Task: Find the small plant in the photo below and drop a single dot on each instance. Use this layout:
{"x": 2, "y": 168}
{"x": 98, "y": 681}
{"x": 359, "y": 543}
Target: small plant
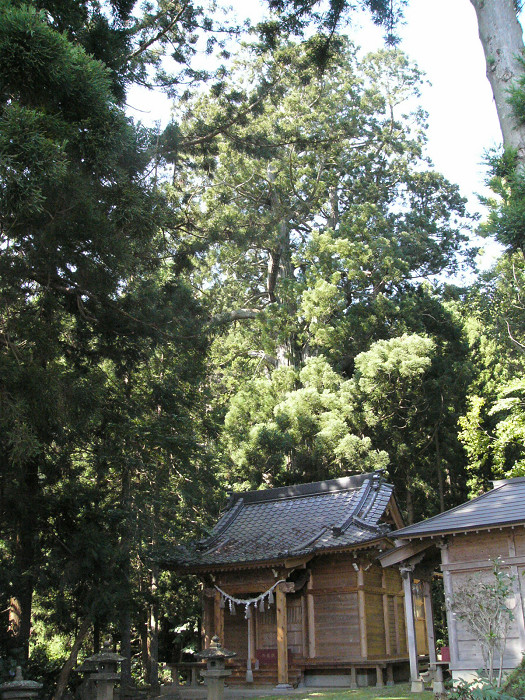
{"x": 482, "y": 605}
{"x": 515, "y": 681}
{"x": 477, "y": 690}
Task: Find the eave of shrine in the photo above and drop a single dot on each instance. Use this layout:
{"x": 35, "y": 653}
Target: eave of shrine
{"x": 287, "y": 526}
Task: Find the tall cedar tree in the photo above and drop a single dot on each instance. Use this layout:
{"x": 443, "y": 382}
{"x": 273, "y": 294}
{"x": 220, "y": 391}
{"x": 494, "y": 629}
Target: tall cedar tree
{"x": 101, "y": 344}
{"x": 322, "y": 219}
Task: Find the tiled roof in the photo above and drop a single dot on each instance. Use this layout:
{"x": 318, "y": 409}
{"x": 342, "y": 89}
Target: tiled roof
{"x": 293, "y": 521}
{"x": 504, "y": 505}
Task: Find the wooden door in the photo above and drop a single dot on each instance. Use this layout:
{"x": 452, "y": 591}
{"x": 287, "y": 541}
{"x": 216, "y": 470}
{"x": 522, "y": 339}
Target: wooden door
{"x": 266, "y": 626}
{"x": 295, "y": 624}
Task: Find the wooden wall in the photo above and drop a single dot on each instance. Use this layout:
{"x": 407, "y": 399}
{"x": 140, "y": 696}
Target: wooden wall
{"x": 335, "y": 605}
{"x": 236, "y": 633}
{"x": 471, "y": 556}
{"x": 358, "y": 614}
{"x": 350, "y": 610}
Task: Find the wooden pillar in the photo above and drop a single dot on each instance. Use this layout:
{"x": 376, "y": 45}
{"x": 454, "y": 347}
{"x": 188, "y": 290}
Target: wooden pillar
{"x": 282, "y": 636}
{"x": 379, "y": 677}
{"x": 218, "y": 614}
{"x": 386, "y": 616}
{"x": 406, "y": 573}
{"x": 311, "y": 617}
{"x": 389, "y": 674}
{"x": 253, "y": 635}
{"x": 396, "y": 624}
{"x": 451, "y": 618}
{"x": 207, "y": 629}
{"x": 249, "y": 672}
{"x": 361, "y": 602}
{"x": 516, "y": 585}
{"x": 429, "y": 621}
{"x": 304, "y": 626}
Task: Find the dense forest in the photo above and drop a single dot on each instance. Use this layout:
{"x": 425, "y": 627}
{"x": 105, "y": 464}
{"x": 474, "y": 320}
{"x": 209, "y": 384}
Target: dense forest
{"x": 259, "y": 294}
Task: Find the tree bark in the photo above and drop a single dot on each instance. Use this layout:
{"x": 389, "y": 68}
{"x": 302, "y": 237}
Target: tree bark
{"x": 410, "y": 504}
{"x": 125, "y": 613}
{"x": 235, "y": 315}
{"x": 96, "y": 637}
{"x": 125, "y": 646}
{"x": 26, "y": 554}
{"x": 502, "y": 40}
{"x": 439, "y": 470}
{"x": 65, "y": 672}
{"x": 153, "y": 633}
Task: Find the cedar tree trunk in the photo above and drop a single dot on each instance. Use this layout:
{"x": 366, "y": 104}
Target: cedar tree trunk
{"x": 502, "y": 40}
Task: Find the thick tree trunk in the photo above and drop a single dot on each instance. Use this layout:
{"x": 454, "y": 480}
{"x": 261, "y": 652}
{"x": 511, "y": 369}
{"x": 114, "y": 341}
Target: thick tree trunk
{"x": 96, "y": 637}
{"x": 26, "y": 553}
{"x": 439, "y": 469}
{"x": 280, "y": 268}
{"x": 153, "y": 633}
{"x": 409, "y": 504}
{"x": 125, "y": 646}
{"x": 502, "y": 40}
{"x": 125, "y": 612}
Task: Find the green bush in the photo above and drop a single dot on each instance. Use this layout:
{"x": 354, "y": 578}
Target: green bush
{"x": 44, "y": 668}
{"x": 515, "y": 683}
{"x": 479, "y": 689}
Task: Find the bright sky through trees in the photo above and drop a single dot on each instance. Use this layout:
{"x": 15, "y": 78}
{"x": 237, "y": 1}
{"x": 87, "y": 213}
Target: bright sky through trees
{"x": 442, "y": 38}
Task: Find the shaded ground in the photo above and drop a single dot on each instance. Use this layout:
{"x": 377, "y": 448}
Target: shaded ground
{"x": 397, "y": 692}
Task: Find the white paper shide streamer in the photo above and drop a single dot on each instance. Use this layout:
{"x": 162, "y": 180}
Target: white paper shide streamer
{"x": 248, "y": 603}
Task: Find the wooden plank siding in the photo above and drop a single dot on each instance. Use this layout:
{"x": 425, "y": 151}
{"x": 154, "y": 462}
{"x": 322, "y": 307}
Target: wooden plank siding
{"x": 243, "y": 583}
{"x": 336, "y": 617}
{"x": 236, "y": 633}
{"x": 375, "y": 626}
{"x": 265, "y": 624}
{"x": 295, "y": 624}
{"x": 354, "y": 612}
{"x": 348, "y": 612}
{"x": 337, "y": 626}
{"x": 471, "y": 555}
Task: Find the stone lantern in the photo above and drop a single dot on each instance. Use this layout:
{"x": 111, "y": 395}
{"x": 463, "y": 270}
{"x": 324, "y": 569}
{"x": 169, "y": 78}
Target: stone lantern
{"x": 19, "y": 689}
{"x": 100, "y": 674}
{"x": 216, "y": 671}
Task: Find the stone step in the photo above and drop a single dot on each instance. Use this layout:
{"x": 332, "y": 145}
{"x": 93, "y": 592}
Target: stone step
{"x": 267, "y": 675}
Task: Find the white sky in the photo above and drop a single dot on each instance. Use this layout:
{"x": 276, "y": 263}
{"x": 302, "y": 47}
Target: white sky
{"x": 441, "y": 37}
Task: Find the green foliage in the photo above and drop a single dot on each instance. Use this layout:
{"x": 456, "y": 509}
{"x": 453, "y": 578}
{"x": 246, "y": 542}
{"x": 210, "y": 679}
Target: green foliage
{"x": 514, "y": 684}
{"x": 477, "y": 690}
{"x": 296, "y": 16}
{"x": 507, "y": 209}
{"x": 101, "y": 343}
{"x": 296, "y": 426}
{"x": 44, "y": 667}
{"x": 492, "y": 428}
{"x": 322, "y": 219}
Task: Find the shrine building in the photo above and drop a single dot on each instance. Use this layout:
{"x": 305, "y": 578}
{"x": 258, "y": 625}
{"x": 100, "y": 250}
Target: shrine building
{"x": 291, "y": 582}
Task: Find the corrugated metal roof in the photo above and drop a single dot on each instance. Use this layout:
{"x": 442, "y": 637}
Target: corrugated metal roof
{"x": 501, "y": 506}
{"x": 293, "y": 521}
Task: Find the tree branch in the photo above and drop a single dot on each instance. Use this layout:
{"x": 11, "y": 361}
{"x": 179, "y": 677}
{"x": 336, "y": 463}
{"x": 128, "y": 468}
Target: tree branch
{"x": 268, "y": 359}
{"x": 235, "y": 315}
{"x": 519, "y": 345}
{"x": 143, "y": 47}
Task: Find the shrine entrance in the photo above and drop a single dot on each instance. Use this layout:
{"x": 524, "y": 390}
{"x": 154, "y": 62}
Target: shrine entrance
{"x": 266, "y": 629}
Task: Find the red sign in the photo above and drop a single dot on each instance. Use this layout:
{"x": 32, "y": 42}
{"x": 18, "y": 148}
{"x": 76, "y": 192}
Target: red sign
{"x": 268, "y": 657}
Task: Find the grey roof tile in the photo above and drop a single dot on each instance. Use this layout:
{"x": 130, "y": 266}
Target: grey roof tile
{"x": 502, "y": 505}
{"x": 292, "y": 521}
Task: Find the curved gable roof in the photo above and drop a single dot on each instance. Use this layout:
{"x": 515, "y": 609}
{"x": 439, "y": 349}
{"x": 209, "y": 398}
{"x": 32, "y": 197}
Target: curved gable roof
{"x": 293, "y": 521}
